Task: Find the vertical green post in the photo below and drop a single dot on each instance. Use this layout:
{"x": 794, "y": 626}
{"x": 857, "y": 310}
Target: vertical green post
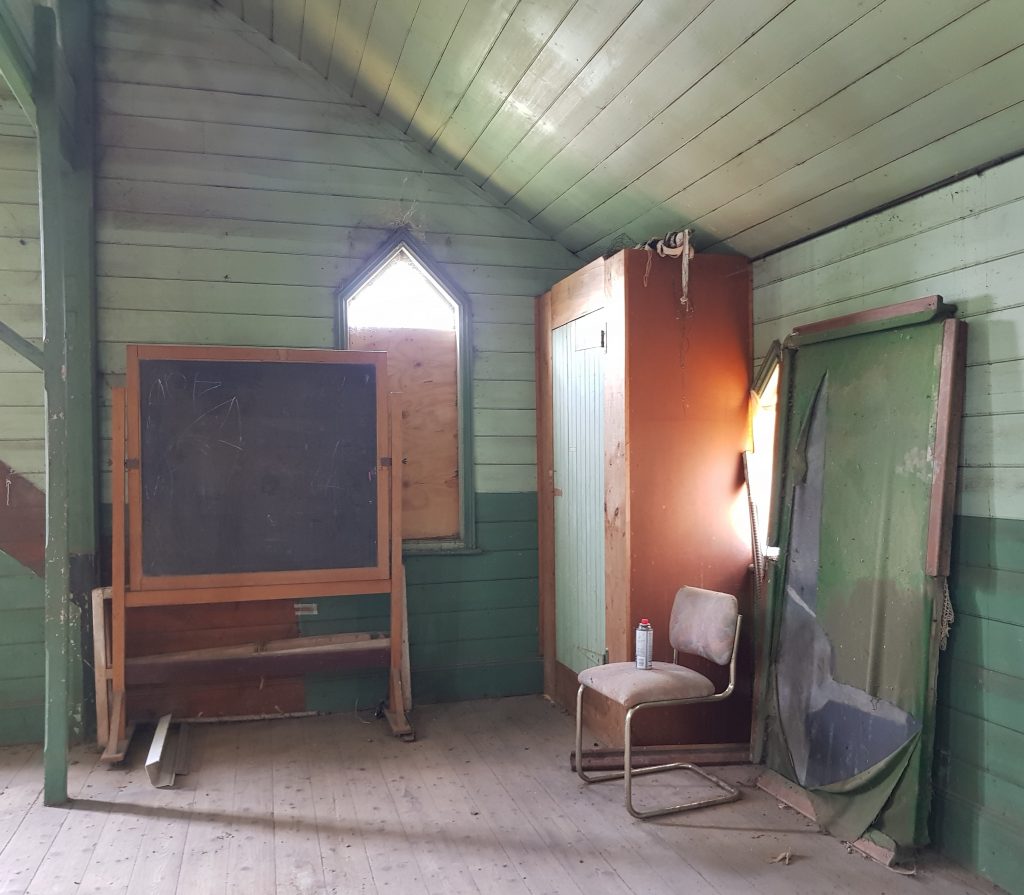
{"x": 57, "y": 574}
{"x": 75, "y": 20}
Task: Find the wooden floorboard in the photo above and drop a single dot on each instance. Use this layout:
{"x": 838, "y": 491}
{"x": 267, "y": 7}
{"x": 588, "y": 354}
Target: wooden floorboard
{"x": 483, "y": 802}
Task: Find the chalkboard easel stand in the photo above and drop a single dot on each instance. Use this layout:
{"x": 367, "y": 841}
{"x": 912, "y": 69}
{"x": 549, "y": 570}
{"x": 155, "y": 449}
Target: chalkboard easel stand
{"x": 125, "y": 462}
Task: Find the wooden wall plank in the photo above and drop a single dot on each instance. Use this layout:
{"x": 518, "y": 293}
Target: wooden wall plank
{"x": 711, "y": 38}
{"x": 725, "y": 109}
{"x": 318, "y": 27}
{"x": 218, "y": 106}
{"x": 652, "y": 26}
{"x": 583, "y": 32}
{"x": 353, "y": 25}
{"x": 385, "y": 40}
{"x": 905, "y": 69}
{"x": 287, "y": 24}
{"x": 430, "y": 34}
{"x": 471, "y": 41}
{"x": 993, "y": 137}
{"x": 527, "y": 31}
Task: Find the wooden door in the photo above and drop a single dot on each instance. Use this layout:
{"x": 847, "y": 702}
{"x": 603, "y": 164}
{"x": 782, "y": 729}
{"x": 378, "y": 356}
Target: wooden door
{"x": 577, "y": 373}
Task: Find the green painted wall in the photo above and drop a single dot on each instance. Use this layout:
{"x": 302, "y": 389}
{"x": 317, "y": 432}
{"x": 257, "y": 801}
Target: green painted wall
{"x": 963, "y": 242}
{"x": 236, "y": 192}
{"x": 472, "y": 619}
{"x": 21, "y": 423}
{"x": 21, "y": 653}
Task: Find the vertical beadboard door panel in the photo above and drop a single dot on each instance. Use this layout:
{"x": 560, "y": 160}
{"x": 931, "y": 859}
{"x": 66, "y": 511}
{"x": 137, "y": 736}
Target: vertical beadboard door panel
{"x": 577, "y": 373}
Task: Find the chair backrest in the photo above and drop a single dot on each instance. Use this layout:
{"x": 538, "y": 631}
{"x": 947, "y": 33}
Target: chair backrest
{"x": 703, "y": 623}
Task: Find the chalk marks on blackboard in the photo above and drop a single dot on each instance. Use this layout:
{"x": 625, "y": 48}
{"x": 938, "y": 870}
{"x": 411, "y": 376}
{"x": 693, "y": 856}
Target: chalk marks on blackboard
{"x": 250, "y": 467}
{"x": 325, "y": 476}
{"x": 201, "y": 386}
{"x": 230, "y": 426}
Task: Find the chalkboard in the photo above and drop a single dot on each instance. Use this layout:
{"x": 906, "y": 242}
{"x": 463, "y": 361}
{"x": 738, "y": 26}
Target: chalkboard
{"x": 257, "y": 466}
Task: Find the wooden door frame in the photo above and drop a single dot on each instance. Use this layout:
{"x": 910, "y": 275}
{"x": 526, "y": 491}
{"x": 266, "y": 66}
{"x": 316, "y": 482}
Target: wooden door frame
{"x": 597, "y": 286}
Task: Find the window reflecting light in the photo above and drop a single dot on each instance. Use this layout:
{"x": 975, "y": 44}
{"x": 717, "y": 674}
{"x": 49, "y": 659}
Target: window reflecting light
{"x": 401, "y": 295}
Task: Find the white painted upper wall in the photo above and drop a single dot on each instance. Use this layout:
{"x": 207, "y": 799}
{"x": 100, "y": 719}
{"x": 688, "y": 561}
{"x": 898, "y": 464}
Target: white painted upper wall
{"x": 237, "y": 191}
{"x": 964, "y": 242}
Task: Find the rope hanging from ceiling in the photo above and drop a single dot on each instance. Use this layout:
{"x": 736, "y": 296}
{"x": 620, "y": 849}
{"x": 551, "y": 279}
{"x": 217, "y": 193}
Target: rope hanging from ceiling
{"x": 673, "y": 245}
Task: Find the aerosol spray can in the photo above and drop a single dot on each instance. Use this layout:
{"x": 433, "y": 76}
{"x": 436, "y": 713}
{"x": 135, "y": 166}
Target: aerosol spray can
{"x": 644, "y": 644}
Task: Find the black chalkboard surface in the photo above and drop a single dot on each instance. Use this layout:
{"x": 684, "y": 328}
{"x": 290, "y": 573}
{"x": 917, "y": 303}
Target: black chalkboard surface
{"x": 257, "y": 466}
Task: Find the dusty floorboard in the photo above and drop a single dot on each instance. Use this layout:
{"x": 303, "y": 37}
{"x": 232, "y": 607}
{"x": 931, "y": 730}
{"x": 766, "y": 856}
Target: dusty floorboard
{"x": 483, "y": 802}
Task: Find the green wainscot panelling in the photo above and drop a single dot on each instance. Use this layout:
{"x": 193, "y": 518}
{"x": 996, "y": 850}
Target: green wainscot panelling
{"x": 22, "y": 724}
{"x": 982, "y": 693}
{"x": 996, "y": 645}
{"x": 21, "y": 653}
{"x": 519, "y": 678}
{"x": 977, "y": 838}
{"x": 966, "y": 741}
{"x": 989, "y": 543}
{"x": 473, "y": 618}
{"x": 350, "y": 692}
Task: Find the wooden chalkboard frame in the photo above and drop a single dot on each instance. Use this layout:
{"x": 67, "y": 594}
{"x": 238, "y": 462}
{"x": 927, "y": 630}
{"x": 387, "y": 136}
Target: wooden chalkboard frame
{"x": 388, "y": 576}
{"x": 152, "y": 590}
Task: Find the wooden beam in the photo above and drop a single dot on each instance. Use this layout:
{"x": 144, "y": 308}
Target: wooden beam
{"x": 76, "y": 23}
{"x": 22, "y": 345}
{"x": 57, "y": 574}
{"x": 16, "y": 64}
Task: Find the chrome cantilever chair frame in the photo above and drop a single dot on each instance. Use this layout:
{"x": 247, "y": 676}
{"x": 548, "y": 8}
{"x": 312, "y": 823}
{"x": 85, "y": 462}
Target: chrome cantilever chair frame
{"x": 730, "y": 793}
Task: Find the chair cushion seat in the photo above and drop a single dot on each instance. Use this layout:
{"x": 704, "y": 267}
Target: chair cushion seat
{"x": 628, "y": 685}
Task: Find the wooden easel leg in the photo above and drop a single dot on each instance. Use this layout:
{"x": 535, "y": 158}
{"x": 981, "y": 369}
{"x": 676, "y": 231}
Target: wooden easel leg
{"x": 119, "y": 737}
{"x": 396, "y": 710}
{"x": 398, "y": 683}
{"x": 101, "y": 664}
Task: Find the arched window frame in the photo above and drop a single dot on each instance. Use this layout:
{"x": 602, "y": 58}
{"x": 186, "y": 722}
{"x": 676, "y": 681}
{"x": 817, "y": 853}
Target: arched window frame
{"x": 402, "y": 239}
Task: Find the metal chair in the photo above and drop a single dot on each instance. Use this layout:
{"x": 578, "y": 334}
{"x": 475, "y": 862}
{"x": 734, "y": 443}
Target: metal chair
{"x": 703, "y": 623}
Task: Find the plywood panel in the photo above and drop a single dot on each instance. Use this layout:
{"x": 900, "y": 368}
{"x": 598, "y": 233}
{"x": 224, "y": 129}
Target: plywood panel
{"x": 423, "y": 366}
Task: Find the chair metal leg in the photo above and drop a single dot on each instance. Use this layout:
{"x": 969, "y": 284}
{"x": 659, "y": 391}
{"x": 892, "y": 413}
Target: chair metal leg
{"x": 595, "y": 778}
{"x": 730, "y": 793}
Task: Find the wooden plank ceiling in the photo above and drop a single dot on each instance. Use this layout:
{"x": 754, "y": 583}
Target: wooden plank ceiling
{"x": 756, "y": 122}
